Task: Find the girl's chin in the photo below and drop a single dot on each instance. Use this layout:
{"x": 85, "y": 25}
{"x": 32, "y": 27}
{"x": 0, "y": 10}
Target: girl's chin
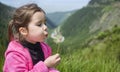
{"x": 44, "y": 37}
{"x": 42, "y": 40}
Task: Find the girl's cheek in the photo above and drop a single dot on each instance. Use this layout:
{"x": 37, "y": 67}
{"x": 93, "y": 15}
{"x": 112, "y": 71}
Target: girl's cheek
{"x": 42, "y": 31}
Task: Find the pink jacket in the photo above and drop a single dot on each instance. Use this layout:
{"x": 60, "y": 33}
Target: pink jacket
{"x": 18, "y": 59}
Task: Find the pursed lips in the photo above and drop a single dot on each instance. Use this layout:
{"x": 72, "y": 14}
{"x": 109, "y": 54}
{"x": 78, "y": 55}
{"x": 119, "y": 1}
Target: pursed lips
{"x": 46, "y": 33}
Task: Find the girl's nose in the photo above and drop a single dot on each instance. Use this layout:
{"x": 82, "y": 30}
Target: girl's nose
{"x": 45, "y": 27}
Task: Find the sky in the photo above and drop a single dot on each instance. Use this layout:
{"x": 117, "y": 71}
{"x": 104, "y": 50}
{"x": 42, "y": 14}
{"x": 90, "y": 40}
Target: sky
{"x": 50, "y": 6}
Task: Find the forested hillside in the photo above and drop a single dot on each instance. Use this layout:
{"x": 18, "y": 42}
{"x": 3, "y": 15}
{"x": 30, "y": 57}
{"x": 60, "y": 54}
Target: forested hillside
{"x": 91, "y": 20}
{"x": 5, "y": 15}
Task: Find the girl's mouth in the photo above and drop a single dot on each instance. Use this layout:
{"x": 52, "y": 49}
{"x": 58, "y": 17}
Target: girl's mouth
{"x": 46, "y": 35}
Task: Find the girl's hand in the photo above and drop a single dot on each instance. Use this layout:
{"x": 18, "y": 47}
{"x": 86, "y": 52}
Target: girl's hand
{"x": 52, "y": 61}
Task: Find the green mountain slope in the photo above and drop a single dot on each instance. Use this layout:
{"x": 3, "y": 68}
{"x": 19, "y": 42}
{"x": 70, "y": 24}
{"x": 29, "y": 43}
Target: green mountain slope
{"x": 89, "y": 21}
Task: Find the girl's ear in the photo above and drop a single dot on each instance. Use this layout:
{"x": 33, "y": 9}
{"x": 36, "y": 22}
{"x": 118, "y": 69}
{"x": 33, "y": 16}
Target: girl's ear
{"x": 23, "y": 31}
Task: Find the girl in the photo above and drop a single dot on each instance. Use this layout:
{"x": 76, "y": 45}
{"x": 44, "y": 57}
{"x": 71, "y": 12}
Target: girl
{"x": 27, "y": 51}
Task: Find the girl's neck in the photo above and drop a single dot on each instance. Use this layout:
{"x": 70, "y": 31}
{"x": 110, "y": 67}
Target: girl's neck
{"x": 32, "y": 42}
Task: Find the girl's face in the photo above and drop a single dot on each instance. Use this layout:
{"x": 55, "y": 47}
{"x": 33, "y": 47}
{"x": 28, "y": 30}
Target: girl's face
{"x": 37, "y": 29}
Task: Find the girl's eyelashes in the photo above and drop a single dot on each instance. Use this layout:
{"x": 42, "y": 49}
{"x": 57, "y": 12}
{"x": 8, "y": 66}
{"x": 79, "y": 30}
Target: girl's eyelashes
{"x": 45, "y": 23}
{"x": 40, "y": 24}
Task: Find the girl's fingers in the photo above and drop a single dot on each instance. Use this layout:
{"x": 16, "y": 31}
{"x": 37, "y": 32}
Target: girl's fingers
{"x": 57, "y": 56}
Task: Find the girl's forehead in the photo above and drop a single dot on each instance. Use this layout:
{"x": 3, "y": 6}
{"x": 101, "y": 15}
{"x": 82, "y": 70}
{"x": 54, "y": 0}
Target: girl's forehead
{"x": 38, "y": 16}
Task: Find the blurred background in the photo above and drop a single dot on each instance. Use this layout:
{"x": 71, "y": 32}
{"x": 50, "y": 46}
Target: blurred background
{"x": 88, "y": 32}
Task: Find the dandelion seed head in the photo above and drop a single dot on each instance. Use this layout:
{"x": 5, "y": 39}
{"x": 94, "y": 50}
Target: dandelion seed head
{"x": 57, "y": 36}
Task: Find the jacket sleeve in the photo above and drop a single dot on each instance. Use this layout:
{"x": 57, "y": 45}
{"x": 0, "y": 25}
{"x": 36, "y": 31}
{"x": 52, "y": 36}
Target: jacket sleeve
{"x": 15, "y": 62}
{"x": 53, "y": 70}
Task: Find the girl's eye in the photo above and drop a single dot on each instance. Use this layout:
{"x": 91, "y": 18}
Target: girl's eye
{"x": 39, "y": 25}
{"x": 45, "y": 23}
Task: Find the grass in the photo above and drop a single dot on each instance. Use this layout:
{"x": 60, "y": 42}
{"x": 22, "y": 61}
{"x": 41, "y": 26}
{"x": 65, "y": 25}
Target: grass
{"x": 90, "y": 60}
{"x": 93, "y": 62}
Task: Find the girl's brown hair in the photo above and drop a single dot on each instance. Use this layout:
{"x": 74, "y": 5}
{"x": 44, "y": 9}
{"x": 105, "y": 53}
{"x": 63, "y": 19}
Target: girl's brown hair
{"x": 21, "y": 18}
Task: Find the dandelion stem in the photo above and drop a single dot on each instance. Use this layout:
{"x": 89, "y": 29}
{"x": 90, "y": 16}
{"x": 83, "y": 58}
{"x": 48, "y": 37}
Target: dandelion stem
{"x": 58, "y": 48}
